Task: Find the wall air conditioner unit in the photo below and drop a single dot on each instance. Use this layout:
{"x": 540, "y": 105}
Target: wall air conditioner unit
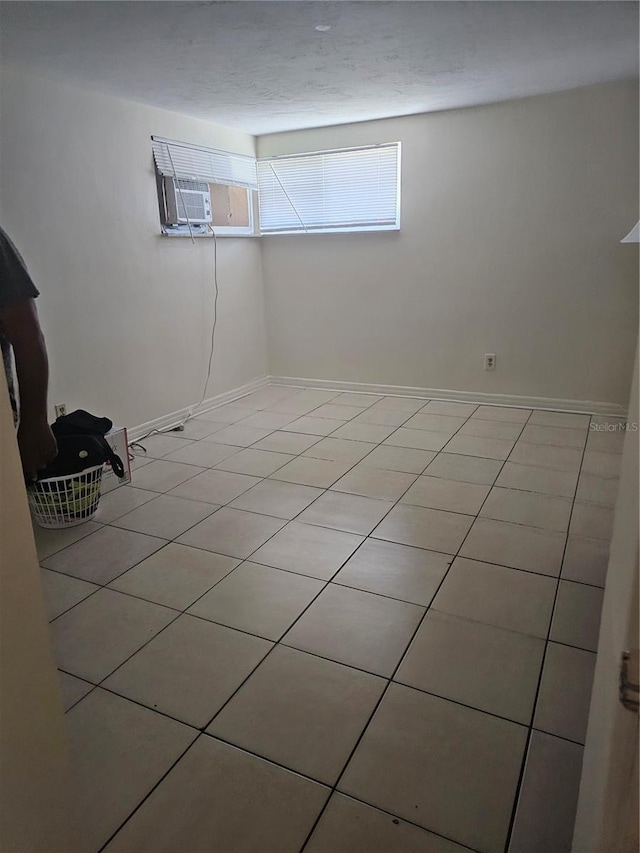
{"x": 187, "y": 201}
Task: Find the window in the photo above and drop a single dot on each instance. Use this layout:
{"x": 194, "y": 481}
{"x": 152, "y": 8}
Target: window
{"x": 353, "y": 189}
{"x": 349, "y": 189}
{"x": 203, "y": 188}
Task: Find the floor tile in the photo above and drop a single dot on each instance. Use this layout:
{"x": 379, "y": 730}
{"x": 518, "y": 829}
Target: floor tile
{"x": 166, "y": 516}
{"x": 599, "y": 490}
{"x": 232, "y": 532}
{"x": 101, "y": 632}
{"x": 586, "y": 560}
{"x": 516, "y": 546}
{"x": 348, "y": 826}
{"x": 356, "y": 628}
{"x": 286, "y": 442}
{"x": 157, "y": 446}
{"x": 312, "y": 472}
{"x": 404, "y": 459}
{"x": 301, "y": 711}
{"x": 240, "y": 435}
{"x": 119, "y": 752}
{"x": 565, "y": 692}
{"x": 121, "y": 501}
{"x": 601, "y": 464}
{"x": 383, "y": 417}
{"x": 308, "y": 550}
{"x": 195, "y": 428}
{"x": 338, "y": 413}
{"x": 258, "y": 599}
{"x": 495, "y": 595}
{"x": 400, "y": 404}
{"x": 374, "y": 483}
{"x": 62, "y": 592}
{"x": 591, "y": 520}
{"x": 491, "y": 429}
{"x": 605, "y": 442}
{"x": 425, "y": 528}
{"x": 534, "y": 510}
{"x": 104, "y": 555}
{"x": 434, "y": 423}
{"x": 355, "y": 399}
{"x": 49, "y": 542}
{"x": 556, "y": 436}
{"x": 160, "y": 476}
{"x": 546, "y": 456}
{"x": 204, "y": 453}
{"x": 282, "y": 500}
{"x": 450, "y": 495}
{"x": 542, "y": 480}
{"x": 576, "y": 618}
{"x": 136, "y": 460}
{"x": 444, "y": 407}
{"x": 478, "y": 665}
{"x": 295, "y": 406}
{"x": 465, "y": 469}
{"x": 356, "y": 431}
{"x": 257, "y": 463}
{"x": 397, "y": 571}
{"x": 309, "y": 425}
{"x": 559, "y": 419}
{"x": 448, "y": 768}
{"x": 246, "y": 804}
{"x": 175, "y": 576}
{"x": 418, "y": 439}
{"x": 502, "y": 413}
{"x": 475, "y": 445}
{"x": 72, "y": 689}
{"x": 189, "y": 670}
{"x": 230, "y": 413}
{"x": 268, "y": 395}
{"x": 215, "y": 487}
{"x": 267, "y": 420}
{"x": 340, "y": 450}
{"x": 549, "y": 788}
{"x": 351, "y": 513}
{"x": 608, "y": 421}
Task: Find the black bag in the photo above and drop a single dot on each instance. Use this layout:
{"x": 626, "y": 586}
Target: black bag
{"x": 81, "y": 445}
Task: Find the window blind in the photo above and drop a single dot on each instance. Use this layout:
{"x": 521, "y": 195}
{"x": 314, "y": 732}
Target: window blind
{"x": 342, "y": 190}
{"x": 203, "y": 164}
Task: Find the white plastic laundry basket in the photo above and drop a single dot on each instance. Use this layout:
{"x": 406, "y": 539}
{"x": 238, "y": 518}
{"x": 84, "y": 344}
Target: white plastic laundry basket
{"x": 66, "y": 501}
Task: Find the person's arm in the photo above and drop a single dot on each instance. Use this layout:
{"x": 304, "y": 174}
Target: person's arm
{"x": 19, "y": 321}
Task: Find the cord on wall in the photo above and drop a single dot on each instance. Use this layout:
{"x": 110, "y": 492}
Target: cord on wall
{"x": 180, "y": 427}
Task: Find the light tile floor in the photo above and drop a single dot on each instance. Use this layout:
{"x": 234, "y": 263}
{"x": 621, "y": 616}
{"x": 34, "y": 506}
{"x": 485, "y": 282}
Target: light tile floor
{"x": 338, "y": 623}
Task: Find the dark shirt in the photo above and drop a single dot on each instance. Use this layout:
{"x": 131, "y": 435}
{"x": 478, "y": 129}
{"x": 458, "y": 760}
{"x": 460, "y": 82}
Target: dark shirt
{"x": 15, "y": 285}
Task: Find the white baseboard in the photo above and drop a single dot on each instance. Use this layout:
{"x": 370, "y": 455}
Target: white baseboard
{"x": 549, "y": 403}
{"x": 174, "y": 418}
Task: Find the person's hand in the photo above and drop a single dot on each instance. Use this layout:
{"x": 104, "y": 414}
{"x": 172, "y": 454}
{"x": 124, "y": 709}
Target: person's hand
{"x": 37, "y": 447}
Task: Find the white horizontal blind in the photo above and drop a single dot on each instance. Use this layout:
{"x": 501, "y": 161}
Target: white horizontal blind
{"x": 349, "y": 189}
{"x": 203, "y": 164}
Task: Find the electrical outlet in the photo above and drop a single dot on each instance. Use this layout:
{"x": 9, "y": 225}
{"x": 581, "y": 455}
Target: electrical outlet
{"x": 61, "y": 410}
{"x": 489, "y": 361}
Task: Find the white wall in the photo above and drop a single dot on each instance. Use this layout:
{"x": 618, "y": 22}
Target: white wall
{"x": 511, "y": 217}
{"x": 126, "y": 313}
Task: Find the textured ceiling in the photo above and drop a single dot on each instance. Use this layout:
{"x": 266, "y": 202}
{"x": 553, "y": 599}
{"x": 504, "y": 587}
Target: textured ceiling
{"x": 262, "y": 67}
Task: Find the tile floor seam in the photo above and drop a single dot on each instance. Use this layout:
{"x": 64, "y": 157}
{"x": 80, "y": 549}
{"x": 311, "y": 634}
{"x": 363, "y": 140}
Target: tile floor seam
{"x": 520, "y": 782}
{"x": 146, "y": 797}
